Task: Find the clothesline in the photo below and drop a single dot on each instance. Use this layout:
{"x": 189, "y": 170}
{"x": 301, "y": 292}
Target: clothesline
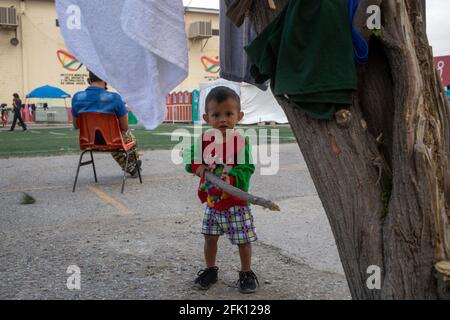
{"x": 131, "y": 46}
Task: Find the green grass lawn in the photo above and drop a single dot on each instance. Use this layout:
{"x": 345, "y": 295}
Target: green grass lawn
{"x": 58, "y": 141}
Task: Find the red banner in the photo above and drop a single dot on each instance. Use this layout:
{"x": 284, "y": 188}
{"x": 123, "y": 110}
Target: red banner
{"x": 443, "y": 67}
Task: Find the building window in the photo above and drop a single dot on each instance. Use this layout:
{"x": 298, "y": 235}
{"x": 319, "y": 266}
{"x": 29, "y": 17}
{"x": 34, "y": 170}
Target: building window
{"x": 215, "y": 32}
{"x": 57, "y": 23}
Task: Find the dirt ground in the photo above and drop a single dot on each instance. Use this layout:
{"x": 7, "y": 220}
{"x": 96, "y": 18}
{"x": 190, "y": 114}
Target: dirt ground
{"x": 146, "y": 243}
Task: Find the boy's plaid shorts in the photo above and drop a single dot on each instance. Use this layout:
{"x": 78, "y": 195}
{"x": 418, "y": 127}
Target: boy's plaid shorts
{"x": 236, "y": 222}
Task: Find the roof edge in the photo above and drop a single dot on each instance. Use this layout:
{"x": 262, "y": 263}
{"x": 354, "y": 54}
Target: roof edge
{"x": 201, "y": 10}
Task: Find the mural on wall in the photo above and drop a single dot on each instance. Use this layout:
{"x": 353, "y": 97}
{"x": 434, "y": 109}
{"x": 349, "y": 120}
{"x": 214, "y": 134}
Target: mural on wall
{"x": 211, "y": 66}
{"x": 70, "y": 63}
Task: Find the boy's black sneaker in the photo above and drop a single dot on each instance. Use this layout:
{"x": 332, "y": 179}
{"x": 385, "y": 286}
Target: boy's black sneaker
{"x": 248, "y": 282}
{"x": 206, "y": 278}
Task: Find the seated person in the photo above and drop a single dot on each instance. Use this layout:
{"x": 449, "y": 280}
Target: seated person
{"x": 96, "y": 98}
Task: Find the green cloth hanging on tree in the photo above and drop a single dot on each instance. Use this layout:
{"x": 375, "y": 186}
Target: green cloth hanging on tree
{"x": 307, "y": 52}
{"x": 132, "y": 118}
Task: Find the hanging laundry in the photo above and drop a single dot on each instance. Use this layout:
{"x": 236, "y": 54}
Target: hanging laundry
{"x": 307, "y": 52}
{"x": 237, "y": 10}
{"x": 234, "y": 62}
{"x": 256, "y": 10}
{"x": 138, "y": 46}
{"x": 360, "y": 45}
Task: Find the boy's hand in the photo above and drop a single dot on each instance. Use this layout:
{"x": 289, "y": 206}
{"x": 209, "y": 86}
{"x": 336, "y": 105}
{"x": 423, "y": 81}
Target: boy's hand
{"x": 225, "y": 178}
{"x": 201, "y": 171}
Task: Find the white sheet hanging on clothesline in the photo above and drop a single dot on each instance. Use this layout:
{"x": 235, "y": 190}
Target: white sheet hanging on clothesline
{"x": 138, "y": 46}
{"x": 260, "y": 106}
{"x": 257, "y": 105}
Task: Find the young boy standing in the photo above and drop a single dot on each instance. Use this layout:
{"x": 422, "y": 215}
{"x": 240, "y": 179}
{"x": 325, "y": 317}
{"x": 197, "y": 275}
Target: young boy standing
{"x": 227, "y": 154}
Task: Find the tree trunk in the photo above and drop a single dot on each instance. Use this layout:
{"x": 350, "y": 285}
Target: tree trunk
{"x": 383, "y": 175}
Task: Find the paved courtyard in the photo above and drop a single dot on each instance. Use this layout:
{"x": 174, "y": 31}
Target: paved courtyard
{"x": 146, "y": 243}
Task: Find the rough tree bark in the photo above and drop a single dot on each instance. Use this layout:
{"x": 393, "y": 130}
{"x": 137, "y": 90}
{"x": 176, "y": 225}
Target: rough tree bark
{"x": 383, "y": 175}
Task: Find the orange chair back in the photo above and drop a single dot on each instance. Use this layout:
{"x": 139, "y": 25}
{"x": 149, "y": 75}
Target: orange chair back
{"x": 95, "y": 126}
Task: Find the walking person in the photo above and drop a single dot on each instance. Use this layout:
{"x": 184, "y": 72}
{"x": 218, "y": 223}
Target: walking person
{"x": 4, "y": 114}
{"x": 17, "y": 109}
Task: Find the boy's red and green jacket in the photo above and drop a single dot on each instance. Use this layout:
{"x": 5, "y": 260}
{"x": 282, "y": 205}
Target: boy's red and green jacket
{"x": 239, "y": 158}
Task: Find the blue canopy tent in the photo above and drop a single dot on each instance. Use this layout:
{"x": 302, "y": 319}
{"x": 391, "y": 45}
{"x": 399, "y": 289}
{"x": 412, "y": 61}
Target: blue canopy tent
{"x": 48, "y": 92}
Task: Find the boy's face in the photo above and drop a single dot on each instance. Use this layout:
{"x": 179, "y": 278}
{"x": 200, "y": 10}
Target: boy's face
{"x": 224, "y": 115}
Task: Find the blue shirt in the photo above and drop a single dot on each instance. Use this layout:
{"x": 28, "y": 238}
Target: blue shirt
{"x": 96, "y": 99}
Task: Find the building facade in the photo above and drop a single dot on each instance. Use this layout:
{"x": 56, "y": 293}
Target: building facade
{"x": 33, "y": 54}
